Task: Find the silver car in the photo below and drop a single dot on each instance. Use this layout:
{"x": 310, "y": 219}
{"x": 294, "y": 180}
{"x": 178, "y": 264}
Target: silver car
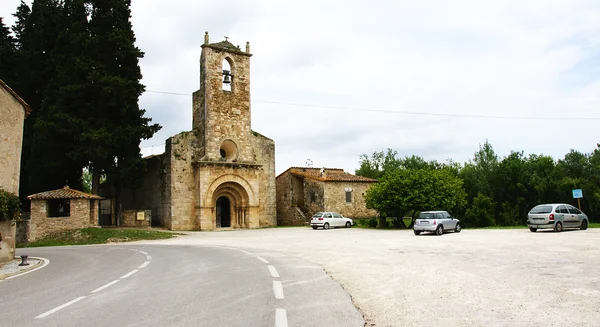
{"x": 330, "y": 219}
{"x": 437, "y": 222}
{"x": 556, "y": 216}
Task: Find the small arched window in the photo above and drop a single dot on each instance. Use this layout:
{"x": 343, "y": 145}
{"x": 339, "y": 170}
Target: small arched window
{"x": 227, "y": 82}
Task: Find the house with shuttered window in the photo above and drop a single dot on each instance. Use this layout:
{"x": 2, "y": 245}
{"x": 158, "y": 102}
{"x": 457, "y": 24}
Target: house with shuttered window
{"x": 303, "y": 191}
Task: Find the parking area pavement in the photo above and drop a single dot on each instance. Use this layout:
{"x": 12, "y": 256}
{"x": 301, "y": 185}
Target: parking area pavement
{"x": 487, "y": 277}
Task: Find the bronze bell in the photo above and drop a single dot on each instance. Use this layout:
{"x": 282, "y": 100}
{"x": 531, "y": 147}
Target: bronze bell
{"x": 226, "y": 77}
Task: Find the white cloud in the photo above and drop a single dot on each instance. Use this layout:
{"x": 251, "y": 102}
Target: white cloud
{"x": 494, "y": 58}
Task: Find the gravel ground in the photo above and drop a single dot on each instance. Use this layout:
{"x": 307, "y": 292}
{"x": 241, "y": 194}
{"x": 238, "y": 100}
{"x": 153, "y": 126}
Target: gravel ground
{"x": 10, "y": 268}
{"x": 473, "y": 278}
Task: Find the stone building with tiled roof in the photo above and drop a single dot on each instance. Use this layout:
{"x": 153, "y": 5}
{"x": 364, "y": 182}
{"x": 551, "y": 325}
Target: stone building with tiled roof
{"x": 222, "y": 173}
{"x": 303, "y": 191}
{"x": 61, "y": 210}
{"x": 13, "y": 111}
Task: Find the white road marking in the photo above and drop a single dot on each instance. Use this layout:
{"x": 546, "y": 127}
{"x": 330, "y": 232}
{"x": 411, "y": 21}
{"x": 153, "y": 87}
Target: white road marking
{"x": 46, "y": 262}
{"x": 130, "y": 273}
{"x": 105, "y": 286}
{"x": 143, "y": 265}
{"x": 244, "y": 251}
{"x": 262, "y": 259}
{"x": 144, "y": 252}
{"x": 281, "y": 318}
{"x": 148, "y": 257}
{"x": 273, "y": 271}
{"x": 46, "y": 314}
{"x": 278, "y": 290}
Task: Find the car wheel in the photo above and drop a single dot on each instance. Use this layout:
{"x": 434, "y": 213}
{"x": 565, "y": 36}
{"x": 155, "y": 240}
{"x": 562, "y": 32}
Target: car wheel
{"x": 314, "y": 227}
{"x": 457, "y": 228}
{"x": 348, "y": 224}
{"x": 532, "y": 229}
{"x": 584, "y": 225}
{"x": 326, "y": 226}
{"x": 439, "y": 230}
{"x": 417, "y": 232}
{"x": 558, "y": 227}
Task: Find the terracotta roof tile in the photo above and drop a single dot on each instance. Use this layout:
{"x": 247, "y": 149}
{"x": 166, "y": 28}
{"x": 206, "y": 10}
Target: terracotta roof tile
{"x": 329, "y": 175}
{"x": 26, "y": 107}
{"x": 63, "y": 193}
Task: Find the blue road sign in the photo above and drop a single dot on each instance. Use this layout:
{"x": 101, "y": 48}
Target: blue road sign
{"x": 577, "y": 194}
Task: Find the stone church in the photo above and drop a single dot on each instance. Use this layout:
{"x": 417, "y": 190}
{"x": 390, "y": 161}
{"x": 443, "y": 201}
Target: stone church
{"x": 222, "y": 173}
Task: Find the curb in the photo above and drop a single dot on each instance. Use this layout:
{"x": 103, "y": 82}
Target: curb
{"x": 16, "y": 272}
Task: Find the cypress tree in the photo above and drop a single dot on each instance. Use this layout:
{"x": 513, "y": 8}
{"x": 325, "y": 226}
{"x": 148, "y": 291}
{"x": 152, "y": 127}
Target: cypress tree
{"x": 63, "y": 111}
{"x": 7, "y": 55}
{"x": 37, "y": 33}
{"x": 118, "y": 125}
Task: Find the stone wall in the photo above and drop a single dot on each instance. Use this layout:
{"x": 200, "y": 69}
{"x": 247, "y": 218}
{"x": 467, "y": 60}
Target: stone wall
{"x": 23, "y": 229}
{"x": 131, "y": 218}
{"x": 8, "y": 231}
{"x": 314, "y": 197}
{"x": 264, "y": 153}
{"x": 220, "y": 115}
{"x": 151, "y": 191}
{"x": 11, "y": 140}
{"x": 335, "y": 199}
{"x": 84, "y": 213}
{"x": 288, "y": 188}
{"x": 179, "y": 196}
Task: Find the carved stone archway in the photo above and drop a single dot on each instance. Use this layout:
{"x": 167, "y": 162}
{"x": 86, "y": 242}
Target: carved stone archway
{"x": 238, "y": 201}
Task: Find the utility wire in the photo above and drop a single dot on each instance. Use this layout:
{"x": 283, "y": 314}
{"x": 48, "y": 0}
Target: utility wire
{"x": 415, "y": 113}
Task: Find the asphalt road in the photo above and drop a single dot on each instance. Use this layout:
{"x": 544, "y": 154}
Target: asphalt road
{"x": 173, "y": 285}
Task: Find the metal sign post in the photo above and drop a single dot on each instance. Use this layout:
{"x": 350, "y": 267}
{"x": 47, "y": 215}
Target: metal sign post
{"x": 578, "y": 194}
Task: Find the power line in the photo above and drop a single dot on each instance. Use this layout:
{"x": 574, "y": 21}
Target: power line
{"x": 403, "y": 112}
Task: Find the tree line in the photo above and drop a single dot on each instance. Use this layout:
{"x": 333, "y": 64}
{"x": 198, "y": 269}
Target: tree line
{"x": 76, "y": 64}
{"x": 486, "y": 190}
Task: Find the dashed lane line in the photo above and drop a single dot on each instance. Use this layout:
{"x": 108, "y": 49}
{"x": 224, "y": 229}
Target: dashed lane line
{"x": 281, "y": 318}
{"x": 143, "y": 265}
{"x": 47, "y": 313}
{"x": 262, "y": 259}
{"x": 273, "y": 271}
{"x": 105, "y": 286}
{"x": 129, "y": 273}
{"x": 278, "y": 290}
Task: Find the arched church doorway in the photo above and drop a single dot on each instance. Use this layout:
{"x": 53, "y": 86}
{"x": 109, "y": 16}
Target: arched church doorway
{"x": 230, "y": 200}
{"x": 223, "y": 212}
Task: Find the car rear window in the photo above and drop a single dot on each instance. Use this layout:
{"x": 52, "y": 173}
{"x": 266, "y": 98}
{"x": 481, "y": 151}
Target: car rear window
{"x": 426, "y": 215}
{"x": 541, "y": 209}
{"x": 317, "y": 215}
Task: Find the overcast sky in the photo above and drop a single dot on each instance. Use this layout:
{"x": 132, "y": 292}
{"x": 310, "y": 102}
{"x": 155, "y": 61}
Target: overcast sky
{"x": 332, "y": 80}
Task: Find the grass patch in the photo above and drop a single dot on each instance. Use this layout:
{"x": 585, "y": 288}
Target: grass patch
{"x": 98, "y": 236}
{"x": 594, "y": 225}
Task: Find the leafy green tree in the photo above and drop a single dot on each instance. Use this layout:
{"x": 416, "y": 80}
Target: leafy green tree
{"x": 481, "y": 213}
{"x": 378, "y": 164}
{"x": 402, "y": 191}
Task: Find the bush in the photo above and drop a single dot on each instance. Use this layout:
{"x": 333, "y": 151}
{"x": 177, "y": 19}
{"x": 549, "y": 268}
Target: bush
{"x": 10, "y": 206}
{"x": 373, "y": 222}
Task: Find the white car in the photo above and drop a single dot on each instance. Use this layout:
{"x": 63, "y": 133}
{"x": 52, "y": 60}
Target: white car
{"x": 330, "y": 219}
{"x": 437, "y": 222}
{"x": 556, "y": 216}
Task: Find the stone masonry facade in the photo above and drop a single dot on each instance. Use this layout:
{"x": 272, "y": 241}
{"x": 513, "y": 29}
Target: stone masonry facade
{"x": 13, "y": 111}
{"x": 301, "y": 192}
{"x": 83, "y": 215}
{"x": 221, "y": 174}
